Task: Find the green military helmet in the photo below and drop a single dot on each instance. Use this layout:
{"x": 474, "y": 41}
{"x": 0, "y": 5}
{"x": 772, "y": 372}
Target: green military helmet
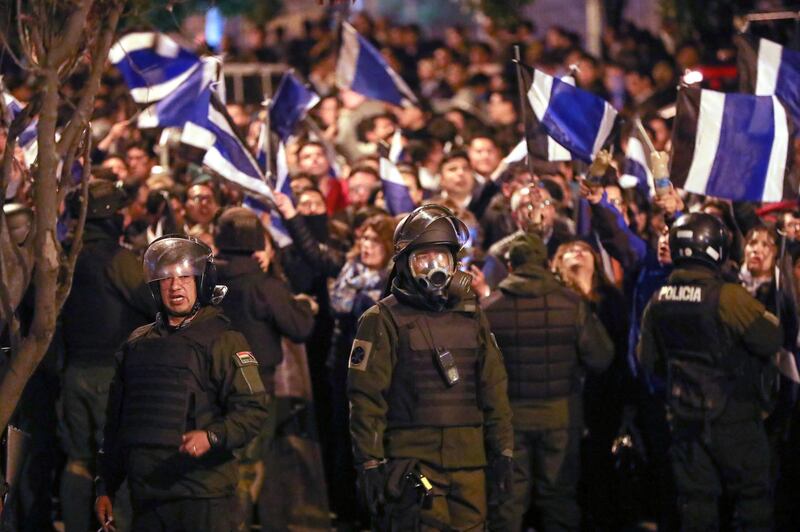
{"x": 239, "y": 230}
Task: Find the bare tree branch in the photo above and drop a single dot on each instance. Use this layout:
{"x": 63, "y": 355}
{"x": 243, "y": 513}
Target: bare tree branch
{"x": 25, "y": 44}
{"x": 71, "y": 36}
{"x": 7, "y": 47}
{"x": 68, "y": 267}
{"x": 99, "y": 56}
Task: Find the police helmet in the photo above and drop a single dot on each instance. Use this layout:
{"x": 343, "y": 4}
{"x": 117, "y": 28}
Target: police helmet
{"x": 178, "y": 256}
{"x": 20, "y": 222}
{"x": 430, "y": 225}
{"x": 239, "y": 230}
{"x": 699, "y": 237}
{"x": 105, "y": 198}
{"x": 426, "y": 244}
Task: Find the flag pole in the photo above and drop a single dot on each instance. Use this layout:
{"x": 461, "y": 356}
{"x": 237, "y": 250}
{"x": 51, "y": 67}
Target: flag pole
{"x": 267, "y": 104}
{"x": 645, "y": 136}
{"x": 522, "y": 106}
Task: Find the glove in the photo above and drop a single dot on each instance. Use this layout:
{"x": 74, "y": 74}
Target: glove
{"x": 502, "y": 474}
{"x": 371, "y": 485}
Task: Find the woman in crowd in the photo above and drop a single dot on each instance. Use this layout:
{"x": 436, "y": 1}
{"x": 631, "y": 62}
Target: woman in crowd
{"x": 579, "y": 267}
{"x": 758, "y": 275}
{"x": 359, "y": 285}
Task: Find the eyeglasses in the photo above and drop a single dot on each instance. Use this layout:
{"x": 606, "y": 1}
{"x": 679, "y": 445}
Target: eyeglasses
{"x": 616, "y": 202}
{"x": 202, "y": 198}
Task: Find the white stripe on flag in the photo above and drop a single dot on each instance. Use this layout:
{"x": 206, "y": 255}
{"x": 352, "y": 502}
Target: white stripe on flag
{"x": 130, "y": 43}
{"x": 539, "y": 93}
{"x": 769, "y": 61}
{"x": 214, "y": 160}
{"x": 709, "y": 122}
{"x": 557, "y": 152}
{"x": 776, "y": 170}
{"x": 348, "y": 57}
{"x": 197, "y": 136}
{"x": 162, "y": 90}
{"x": 606, "y": 125}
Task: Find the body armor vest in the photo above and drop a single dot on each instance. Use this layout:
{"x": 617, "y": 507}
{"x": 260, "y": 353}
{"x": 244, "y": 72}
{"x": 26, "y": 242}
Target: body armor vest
{"x": 166, "y": 385}
{"x": 701, "y": 372}
{"x": 537, "y": 336}
{"x": 418, "y": 395}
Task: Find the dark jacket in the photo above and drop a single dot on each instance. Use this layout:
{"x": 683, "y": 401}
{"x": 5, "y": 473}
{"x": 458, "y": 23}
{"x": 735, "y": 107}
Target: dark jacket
{"x": 262, "y": 308}
{"x": 108, "y": 300}
{"x": 548, "y": 336}
{"x": 752, "y": 336}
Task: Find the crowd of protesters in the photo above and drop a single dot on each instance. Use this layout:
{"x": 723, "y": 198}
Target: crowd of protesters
{"x": 605, "y": 242}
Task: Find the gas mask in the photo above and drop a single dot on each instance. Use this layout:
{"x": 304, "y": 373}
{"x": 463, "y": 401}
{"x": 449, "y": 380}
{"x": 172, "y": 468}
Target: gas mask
{"x": 432, "y": 268}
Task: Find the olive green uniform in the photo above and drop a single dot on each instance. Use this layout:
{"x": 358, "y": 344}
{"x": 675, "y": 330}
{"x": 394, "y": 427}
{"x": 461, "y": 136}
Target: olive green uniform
{"x": 452, "y": 455}
{"x": 728, "y": 452}
{"x": 165, "y": 484}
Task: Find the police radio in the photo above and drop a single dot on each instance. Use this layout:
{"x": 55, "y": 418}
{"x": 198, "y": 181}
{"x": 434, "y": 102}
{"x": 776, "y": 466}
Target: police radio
{"x": 447, "y": 366}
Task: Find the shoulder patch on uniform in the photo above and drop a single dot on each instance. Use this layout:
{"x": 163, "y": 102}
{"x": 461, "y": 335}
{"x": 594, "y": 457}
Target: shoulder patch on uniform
{"x": 359, "y": 355}
{"x": 245, "y": 358}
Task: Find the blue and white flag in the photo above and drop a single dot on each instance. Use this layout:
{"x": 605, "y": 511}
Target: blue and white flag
{"x": 152, "y": 65}
{"x": 28, "y": 139}
{"x": 636, "y": 168}
{"x": 576, "y": 119}
{"x": 278, "y": 230}
{"x": 395, "y": 191}
{"x": 207, "y": 126}
{"x": 363, "y": 69}
{"x": 733, "y": 146}
{"x": 290, "y": 103}
{"x": 766, "y": 68}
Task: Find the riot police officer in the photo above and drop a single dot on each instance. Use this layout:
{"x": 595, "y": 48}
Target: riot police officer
{"x": 427, "y": 388}
{"x": 185, "y": 394}
{"x": 712, "y": 344}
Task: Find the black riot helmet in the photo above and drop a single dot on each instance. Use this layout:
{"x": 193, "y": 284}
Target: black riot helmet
{"x": 430, "y": 225}
{"x": 238, "y": 230}
{"x": 426, "y": 244}
{"x": 699, "y": 237}
{"x": 178, "y": 256}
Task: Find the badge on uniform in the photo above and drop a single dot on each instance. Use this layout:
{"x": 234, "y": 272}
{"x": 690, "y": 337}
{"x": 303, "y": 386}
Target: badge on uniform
{"x": 245, "y": 358}
{"x": 248, "y": 367}
{"x": 359, "y": 355}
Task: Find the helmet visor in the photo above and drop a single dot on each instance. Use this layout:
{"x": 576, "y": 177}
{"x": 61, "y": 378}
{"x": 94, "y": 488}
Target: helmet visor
{"x": 174, "y": 257}
{"x": 426, "y": 260}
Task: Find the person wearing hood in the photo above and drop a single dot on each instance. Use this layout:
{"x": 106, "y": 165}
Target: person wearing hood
{"x": 549, "y": 338}
{"x": 427, "y": 388}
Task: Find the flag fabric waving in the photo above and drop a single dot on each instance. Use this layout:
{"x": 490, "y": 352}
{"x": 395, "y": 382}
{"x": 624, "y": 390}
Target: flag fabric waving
{"x": 208, "y": 126}
{"x": 541, "y": 146}
{"x": 576, "y": 119}
{"x": 766, "y": 68}
{"x": 362, "y": 68}
{"x": 733, "y": 146}
{"x": 290, "y": 103}
{"x": 395, "y": 191}
{"x": 152, "y": 64}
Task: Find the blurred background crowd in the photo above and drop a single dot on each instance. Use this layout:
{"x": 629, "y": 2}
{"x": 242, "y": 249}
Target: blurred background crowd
{"x": 334, "y": 248}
